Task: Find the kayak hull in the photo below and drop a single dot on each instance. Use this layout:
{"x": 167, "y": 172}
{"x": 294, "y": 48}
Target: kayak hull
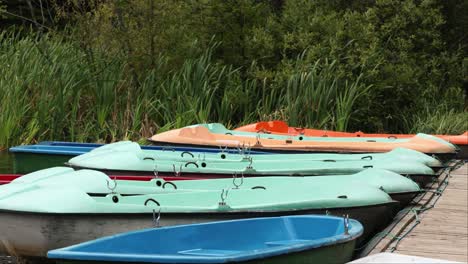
{"x": 282, "y": 128}
{"x": 444, "y": 157}
{"x": 338, "y": 253}
{"x": 33, "y": 234}
{"x": 422, "y": 180}
{"x": 294, "y": 239}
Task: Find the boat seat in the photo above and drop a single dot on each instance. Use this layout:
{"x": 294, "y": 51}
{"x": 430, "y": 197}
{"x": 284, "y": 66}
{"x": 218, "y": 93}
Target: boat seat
{"x": 285, "y": 242}
{"x": 208, "y": 252}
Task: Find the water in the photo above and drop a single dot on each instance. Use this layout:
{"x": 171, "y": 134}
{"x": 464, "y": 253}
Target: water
{"x": 6, "y": 162}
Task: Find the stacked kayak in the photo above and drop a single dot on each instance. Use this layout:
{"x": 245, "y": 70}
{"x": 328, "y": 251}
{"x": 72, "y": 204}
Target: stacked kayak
{"x": 317, "y": 238}
{"x": 60, "y": 207}
{"x": 186, "y": 156}
{"x": 398, "y": 187}
{"x": 128, "y": 158}
{"x": 46, "y": 154}
{"x": 282, "y": 128}
{"x": 215, "y": 135}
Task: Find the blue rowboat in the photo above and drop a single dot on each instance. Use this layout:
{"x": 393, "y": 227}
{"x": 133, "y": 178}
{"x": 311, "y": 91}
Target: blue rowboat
{"x": 288, "y": 239}
{"x": 46, "y": 154}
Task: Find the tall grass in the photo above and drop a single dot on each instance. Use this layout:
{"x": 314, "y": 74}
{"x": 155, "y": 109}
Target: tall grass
{"x": 52, "y": 89}
{"x": 439, "y": 120}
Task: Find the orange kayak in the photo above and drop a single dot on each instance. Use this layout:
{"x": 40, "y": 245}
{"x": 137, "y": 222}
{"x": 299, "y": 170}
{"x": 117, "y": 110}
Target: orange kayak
{"x": 280, "y": 127}
{"x": 201, "y": 136}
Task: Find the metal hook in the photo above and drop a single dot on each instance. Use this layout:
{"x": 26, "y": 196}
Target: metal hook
{"x": 234, "y": 180}
{"x": 177, "y": 173}
{"x": 258, "y": 140}
{"x": 156, "y": 219}
{"x": 249, "y": 167}
{"x": 155, "y": 171}
{"x": 223, "y": 197}
{"x": 346, "y": 224}
{"x": 239, "y": 149}
{"x": 112, "y": 188}
{"x": 249, "y": 149}
{"x": 223, "y": 149}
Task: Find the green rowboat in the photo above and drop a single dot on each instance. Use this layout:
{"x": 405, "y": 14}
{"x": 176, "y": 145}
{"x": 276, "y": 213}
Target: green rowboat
{"x": 42, "y": 214}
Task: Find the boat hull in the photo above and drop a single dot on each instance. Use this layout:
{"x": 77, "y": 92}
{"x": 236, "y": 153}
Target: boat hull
{"x": 29, "y": 162}
{"x": 444, "y": 157}
{"x": 404, "y": 198}
{"x": 338, "y": 253}
{"x": 422, "y": 180}
{"x": 33, "y": 234}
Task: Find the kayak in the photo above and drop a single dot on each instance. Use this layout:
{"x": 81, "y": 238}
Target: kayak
{"x": 60, "y": 207}
{"x": 131, "y": 159}
{"x": 46, "y": 154}
{"x": 282, "y": 128}
{"x": 398, "y": 187}
{"x": 202, "y": 136}
{"x": 297, "y": 239}
{"x": 187, "y": 156}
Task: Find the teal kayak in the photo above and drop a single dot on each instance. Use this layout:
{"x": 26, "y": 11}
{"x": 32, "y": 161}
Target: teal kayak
{"x": 60, "y": 207}
{"x": 393, "y": 184}
{"x": 187, "y": 156}
{"x": 130, "y": 159}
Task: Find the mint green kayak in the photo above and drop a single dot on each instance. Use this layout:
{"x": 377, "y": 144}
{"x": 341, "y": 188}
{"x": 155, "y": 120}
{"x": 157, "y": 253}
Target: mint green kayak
{"x": 60, "y": 207}
{"x": 186, "y": 156}
{"x": 129, "y": 159}
{"x": 398, "y": 187}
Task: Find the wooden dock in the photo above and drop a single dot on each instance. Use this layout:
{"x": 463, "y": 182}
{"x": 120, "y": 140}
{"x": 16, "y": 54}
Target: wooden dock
{"x": 436, "y": 226}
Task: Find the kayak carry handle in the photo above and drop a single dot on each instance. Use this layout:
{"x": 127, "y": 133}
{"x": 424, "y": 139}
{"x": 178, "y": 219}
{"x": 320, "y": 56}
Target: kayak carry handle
{"x": 258, "y": 187}
{"x": 300, "y": 130}
{"x": 392, "y": 137}
{"x": 368, "y": 166}
{"x": 167, "y": 148}
{"x": 371, "y": 140}
{"x": 263, "y": 131}
{"x": 329, "y": 160}
{"x": 152, "y": 200}
{"x": 228, "y": 133}
{"x": 170, "y": 183}
{"x": 367, "y": 158}
{"x": 187, "y": 152}
{"x": 191, "y": 162}
{"x": 148, "y": 158}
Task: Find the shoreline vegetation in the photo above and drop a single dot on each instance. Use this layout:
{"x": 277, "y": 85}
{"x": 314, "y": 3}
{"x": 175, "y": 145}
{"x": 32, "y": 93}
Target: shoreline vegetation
{"x": 103, "y": 71}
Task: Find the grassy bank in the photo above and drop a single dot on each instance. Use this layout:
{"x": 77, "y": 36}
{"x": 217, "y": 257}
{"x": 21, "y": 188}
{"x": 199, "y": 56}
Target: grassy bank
{"x": 52, "y": 90}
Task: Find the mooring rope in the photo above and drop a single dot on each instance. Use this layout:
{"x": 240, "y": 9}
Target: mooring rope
{"x": 428, "y": 205}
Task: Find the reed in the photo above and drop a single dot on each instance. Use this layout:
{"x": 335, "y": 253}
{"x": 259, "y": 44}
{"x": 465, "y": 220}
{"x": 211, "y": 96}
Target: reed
{"x": 441, "y": 120}
{"x": 52, "y": 89}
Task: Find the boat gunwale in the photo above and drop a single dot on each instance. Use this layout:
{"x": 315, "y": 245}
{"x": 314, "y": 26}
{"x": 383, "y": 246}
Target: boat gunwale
{"x": 356, "y": 231}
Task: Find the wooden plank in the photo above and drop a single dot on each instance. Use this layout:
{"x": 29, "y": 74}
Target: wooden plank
{"x": 453, "y": 257}
{"x": 443, "y": 230}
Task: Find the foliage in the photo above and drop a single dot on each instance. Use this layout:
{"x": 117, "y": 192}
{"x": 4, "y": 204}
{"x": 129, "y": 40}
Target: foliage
{"x": 104, "y": 70}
